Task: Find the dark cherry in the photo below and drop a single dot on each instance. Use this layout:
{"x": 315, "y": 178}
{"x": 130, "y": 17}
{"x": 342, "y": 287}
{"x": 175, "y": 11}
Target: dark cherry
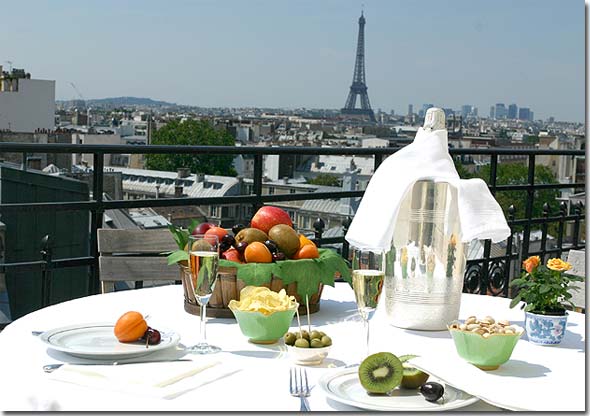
{"x": 271, "y": 245}
{"x": 223, "y": 247}
{"x": 241, "y": 247}
{"x": 229, "y": 239}
{"x": 237, "y": 228}
{"x": 432, "y": 391}
{"x": 278, "y": 256}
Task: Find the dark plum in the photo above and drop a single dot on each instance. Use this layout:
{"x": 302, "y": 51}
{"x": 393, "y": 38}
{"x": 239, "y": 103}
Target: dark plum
{"x": 271, "y": 245}
{"x": 241, "y": 247}
{"x": 432, "y": 391}
{"x": 237, "y": 228}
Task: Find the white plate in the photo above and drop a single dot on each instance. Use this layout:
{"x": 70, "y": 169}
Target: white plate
{"x": 98, "y": 341}
{"x": 344, "y": 387}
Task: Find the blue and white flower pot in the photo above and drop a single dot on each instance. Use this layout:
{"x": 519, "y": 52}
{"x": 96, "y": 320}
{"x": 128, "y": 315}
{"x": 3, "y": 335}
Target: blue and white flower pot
{"x": 545, "y": 329}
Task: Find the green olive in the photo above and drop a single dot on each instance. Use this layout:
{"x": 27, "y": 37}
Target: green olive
{"x": 290, "y": 338}
{"x": 303, "y": 334}
{"x": 315, "y": 334}
{"x": 326, "y": 341}
{"x": 302, "y": 343}
{"x": 316, "y": 343}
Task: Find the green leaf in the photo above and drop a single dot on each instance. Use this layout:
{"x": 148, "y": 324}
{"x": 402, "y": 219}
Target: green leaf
{"x": 307, "y": 273}
{"x": 529, "y": 307}
{"x": 177, "y": 256}
{"x": 516, "y": 282}
{"x": 544, "y": 288}
{"x": 515, "y": 301}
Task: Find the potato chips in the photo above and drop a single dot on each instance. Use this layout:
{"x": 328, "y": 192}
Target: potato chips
{"x": 262, "y": 299}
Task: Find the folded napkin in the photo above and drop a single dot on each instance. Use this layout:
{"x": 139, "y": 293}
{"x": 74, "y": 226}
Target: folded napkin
{"x": 165, "y": 380}
{"x": 516, "y": 385}
{"x": 427, "y": 157}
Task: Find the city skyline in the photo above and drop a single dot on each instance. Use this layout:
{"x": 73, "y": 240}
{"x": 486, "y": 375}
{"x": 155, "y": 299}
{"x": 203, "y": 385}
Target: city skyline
{"x": 301, "y": 54}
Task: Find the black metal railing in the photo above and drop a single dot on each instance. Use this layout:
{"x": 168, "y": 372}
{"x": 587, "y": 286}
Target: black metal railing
{"x": 488, "y": 275}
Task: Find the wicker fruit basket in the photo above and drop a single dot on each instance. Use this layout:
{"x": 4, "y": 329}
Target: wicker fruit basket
{"x": 299, "y": 278}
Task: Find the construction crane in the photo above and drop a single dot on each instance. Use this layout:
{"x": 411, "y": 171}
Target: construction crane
{"x": 79, "y": 94}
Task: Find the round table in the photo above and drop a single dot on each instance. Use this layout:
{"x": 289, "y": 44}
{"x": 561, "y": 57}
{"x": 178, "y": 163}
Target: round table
{"x": 262, "y": 383}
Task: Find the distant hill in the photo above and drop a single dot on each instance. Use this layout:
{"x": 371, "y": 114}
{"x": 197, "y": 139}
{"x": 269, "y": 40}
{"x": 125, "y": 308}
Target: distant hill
{"x": 124, "y": 101}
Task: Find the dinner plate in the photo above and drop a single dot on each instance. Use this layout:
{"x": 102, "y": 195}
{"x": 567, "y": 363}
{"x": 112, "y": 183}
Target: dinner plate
{"x": 344, "y": 387}
{"x": 98, "y": 341}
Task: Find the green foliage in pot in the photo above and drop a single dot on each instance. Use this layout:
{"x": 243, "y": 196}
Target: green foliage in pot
{"x": 544, "y": 289}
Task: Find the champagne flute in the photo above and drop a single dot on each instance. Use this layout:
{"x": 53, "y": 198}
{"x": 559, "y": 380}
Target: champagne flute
{"x": 368, "y": 274}
{"x": 203, "y": 251}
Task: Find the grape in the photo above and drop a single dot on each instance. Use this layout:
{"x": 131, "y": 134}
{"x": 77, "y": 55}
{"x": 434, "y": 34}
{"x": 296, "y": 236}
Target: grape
{"x": 229, "y": 239}
{"x": 432, "y": 391}
{"x": 152, "y": 336}
{"x": 241, "y": 247}
{"x": 278, "y": 256}
{"x": 237, "y": 228}
{"x": 271, "y": 245}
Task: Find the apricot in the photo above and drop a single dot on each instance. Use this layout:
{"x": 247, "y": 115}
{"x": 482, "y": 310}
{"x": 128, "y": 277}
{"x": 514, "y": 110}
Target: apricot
{"x": 130, "y": 327}
{"x": 257, "y": 252}
{"x": 303, "y": 240}
{"x": 308, "y": 251}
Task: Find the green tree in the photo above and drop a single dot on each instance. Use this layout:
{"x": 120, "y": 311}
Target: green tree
{"x": 517, "y": 174}
{"x": 192, "y": 133}
{"x": 325, "y": 180}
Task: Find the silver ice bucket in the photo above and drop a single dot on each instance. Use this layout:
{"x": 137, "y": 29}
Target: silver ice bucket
{"x": 425, "y": 266}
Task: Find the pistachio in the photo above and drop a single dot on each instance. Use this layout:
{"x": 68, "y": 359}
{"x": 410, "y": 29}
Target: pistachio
{"x": 471, "y": 320}
{"x": 504, "y": 322}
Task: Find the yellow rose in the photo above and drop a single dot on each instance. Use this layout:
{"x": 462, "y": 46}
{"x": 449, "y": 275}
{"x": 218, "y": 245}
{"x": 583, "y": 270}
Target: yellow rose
{"x": 531, "y": 263}
{"x": 558, "y": 265}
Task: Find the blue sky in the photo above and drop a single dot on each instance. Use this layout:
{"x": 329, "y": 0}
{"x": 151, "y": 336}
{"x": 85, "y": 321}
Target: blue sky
{"x": 288, "y": 53}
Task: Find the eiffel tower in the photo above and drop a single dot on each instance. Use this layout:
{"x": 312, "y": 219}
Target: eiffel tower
{"x": 359, "y": 86}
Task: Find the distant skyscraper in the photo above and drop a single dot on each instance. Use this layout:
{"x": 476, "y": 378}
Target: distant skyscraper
{"x": 492, "y": 112}
{"x": 410, "y": 109}
{"x": 474, "y": 111}
{"x": 512, "y": 111}
{"x": 524, "y": 113}
{"x": 500, "y": 111}
{"x": 359, "y": 85}
{"x": 466, "y": 110}
{"x": 531, "y": 116}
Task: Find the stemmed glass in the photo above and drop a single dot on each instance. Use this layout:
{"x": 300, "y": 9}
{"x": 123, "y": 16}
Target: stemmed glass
{"x": 368, "y": 274}
{"x": 203, "y": 251}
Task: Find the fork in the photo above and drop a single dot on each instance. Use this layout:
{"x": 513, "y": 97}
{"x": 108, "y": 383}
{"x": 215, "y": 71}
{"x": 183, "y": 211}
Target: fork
{"x": 299, "y": 387}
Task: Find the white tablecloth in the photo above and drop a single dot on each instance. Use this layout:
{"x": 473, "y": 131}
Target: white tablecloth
{"x": 262, "y": 385}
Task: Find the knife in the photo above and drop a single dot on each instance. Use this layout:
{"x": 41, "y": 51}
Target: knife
{"x": 52, "y": 367}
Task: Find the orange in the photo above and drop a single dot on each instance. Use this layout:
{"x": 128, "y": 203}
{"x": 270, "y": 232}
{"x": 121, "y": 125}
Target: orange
{"x": 257, "y": 252}
{"x": 308, "y": 251}
{"x": 303, "y": 240}
{"x": 130, "y": 327}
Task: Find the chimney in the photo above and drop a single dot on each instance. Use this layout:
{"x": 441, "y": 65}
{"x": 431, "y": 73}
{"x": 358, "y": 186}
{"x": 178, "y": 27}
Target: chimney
{"x": 178, "y": 190}
{"x": 285, "y": 180}
{"x": 34, "y": 163}
{"x": 183, "y": 172}
{"x": 200, "y": 177}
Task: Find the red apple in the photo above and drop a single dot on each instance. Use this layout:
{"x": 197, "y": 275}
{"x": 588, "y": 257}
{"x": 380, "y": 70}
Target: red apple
{"x": 218, "y": 231}
{"x": 269, "y": 216}
{"x": 202, "y": 228}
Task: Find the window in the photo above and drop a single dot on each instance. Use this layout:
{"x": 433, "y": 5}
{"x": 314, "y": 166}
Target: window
{"x": 271, "y": 190}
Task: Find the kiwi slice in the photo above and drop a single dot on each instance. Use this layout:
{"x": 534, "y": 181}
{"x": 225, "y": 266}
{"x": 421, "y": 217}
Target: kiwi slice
{"x": 413, "y": 378}
{"x": 380, "y": 373}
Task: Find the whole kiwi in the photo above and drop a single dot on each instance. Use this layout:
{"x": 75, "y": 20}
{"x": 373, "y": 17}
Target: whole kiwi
{"x": 380, "y": 373}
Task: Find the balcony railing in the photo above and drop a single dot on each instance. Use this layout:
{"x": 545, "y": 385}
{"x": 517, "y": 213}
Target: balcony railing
{"x": 486, "y": 275}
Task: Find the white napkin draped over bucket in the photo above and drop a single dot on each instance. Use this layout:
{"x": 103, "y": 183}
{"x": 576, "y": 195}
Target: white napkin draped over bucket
{"x": 427, "y": 157}
{"x": 165, "y": 380}
{"x": 516, "y": 385}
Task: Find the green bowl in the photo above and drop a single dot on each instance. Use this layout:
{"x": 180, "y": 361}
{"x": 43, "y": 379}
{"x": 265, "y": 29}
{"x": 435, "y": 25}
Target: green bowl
{"x": 485, "y": 353}
{"x": 264, "y": 329}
